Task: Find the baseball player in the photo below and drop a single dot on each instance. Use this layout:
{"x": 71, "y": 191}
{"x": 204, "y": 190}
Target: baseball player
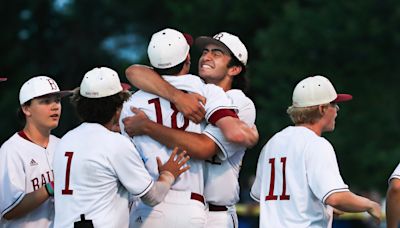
{"x": 222, "y": 63}
{"x": 297, "y": 172}
{"x": 165, "y": 53}
{"x": 95, "y": 167}
{"x": 26, "y": 171}
{"x": 393, "y": 199}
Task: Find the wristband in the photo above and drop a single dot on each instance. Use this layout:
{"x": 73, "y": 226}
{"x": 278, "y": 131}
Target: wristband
{"x": 50, "y": 188}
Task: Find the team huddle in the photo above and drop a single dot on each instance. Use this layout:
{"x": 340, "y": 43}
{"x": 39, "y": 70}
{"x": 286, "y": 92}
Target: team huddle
{"x": 169, "y": 155}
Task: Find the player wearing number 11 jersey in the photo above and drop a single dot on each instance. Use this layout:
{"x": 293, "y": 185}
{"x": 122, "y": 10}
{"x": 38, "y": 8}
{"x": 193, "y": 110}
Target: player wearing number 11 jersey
{"x": 297, "y": 172}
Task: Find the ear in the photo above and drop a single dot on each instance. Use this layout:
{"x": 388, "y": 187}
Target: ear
{"x": 234, "y": 70}
{"x": 322, "y": 109}
{"x": 26, "y": 110}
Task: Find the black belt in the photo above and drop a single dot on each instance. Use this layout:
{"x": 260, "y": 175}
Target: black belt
{"x": 198, "y": 197}
{"x": 212, "y": 207}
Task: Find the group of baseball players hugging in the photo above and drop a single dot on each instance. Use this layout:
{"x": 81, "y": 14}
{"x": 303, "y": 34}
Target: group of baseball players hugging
{"x": 169, "y": 155}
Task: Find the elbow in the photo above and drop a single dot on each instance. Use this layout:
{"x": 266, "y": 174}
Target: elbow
{"x": 9, "y": 216}
{"x": 334, "y": 200}
{"x": 394, "y": 186}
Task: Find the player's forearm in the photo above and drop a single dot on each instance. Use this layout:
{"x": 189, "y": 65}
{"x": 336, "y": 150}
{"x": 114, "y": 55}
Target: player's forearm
{"x": 159, "y": 190}
{"x": 148, "y": 80}
{"x": 349, "y": 202}
{"x": 30, "y": 202}
{"x": 236, "y": 131}
{"x": 392, "y": 204}
{"x": 198, "y": 146}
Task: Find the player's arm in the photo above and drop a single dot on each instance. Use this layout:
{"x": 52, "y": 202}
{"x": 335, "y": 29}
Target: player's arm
{"x": 237, "y": 131}
{"x": 148, "y": 80}
{"x": 168, "y": 174}
{"x": 350, "y": 202}
{"x": 392, "y": 203}
{"x": 199, "y": 146}
{"x": 30, "y": 202}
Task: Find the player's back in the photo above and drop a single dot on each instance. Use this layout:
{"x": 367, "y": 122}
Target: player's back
{"x": 287, "y": 198}
{"x": 88, "y": 169}
{"x": 164, "y": 112}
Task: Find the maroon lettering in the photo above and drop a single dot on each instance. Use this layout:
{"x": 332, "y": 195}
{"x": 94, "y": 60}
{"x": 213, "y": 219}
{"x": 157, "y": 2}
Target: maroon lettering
{"x": 271, "y": 195}
{"x": 53, "y": 84}
{"x": 66, "y": 190}
{"x": 35, "y": 183}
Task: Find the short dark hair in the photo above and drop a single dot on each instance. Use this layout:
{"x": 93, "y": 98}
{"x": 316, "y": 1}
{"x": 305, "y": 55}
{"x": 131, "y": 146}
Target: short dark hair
{"x": 172, "y": 70}
{"x": 240, "y": 81}
{"x": 20, "y": 113}
{"x": 98, "y": 110}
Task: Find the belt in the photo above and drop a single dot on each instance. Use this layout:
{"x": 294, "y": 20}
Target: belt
{"x": 212, "y": 207}
{"x": 198, "y": 197}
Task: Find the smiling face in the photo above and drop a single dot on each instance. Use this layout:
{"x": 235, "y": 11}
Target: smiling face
{"x": 44, "y": 112}
{"x": 213, "y": 63}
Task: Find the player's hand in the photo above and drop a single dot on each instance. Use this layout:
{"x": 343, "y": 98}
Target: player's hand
{"x": 191, "y": 106}
{"x": 134, "y": 125}
{"x": 175, "y": 163}
{"x": 375, "y": 211}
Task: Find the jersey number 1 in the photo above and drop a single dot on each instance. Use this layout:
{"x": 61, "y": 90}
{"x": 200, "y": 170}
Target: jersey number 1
{"x": 66, "y": 190}
{"x": 271, "y": 195}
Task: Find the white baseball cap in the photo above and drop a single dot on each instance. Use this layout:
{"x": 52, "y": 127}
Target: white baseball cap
{"x": 39, "y": 86}
{"x": 100, "y": 82}
{"x": 227, "y": 40}
{"x": 316, "y": 90}
{"x": 167, "y": 48}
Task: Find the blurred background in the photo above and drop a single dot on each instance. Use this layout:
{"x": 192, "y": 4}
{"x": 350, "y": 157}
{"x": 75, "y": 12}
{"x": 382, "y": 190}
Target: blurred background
{"x": 355, "y": 44}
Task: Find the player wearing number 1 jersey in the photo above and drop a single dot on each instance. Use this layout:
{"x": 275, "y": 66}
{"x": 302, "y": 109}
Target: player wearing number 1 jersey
{"x": 95, "y": 168}
{"x": 26, "y": 171}
{"x": 297, "y": 172}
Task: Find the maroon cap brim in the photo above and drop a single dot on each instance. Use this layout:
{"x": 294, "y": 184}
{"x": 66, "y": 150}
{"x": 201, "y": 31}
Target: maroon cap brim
{"x": 3, "y": 79}
{"x": 343, "y": 97}
{"x": 189, "y": 38}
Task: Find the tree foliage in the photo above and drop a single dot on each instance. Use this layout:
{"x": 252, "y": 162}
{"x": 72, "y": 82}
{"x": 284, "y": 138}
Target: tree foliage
{"x": 354, "y": 43}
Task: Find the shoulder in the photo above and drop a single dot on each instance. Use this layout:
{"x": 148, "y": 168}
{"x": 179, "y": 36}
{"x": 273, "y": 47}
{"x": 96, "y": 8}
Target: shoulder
{"x": 12, "y": 142}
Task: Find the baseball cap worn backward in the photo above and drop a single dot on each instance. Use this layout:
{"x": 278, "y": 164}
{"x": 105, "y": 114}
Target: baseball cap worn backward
{"x": 39, "y": 86}
{"x": 167, "y": 48}
{"x": 316, "y": 90}
{"x": 228, "y": 40}
{"x": 100, "y": 82}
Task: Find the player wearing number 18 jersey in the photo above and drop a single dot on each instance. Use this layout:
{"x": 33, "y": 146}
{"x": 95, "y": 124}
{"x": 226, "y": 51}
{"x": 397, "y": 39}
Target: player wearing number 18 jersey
{"x": 297, "y": 172}
{"x": 191, "y": 213}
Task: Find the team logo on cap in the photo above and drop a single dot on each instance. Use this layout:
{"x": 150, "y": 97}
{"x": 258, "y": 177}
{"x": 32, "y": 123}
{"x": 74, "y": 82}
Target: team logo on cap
{"x": 218, "y": 36}
{"x": 53, "y": 84}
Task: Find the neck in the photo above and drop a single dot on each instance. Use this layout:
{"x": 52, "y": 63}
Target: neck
{"x": 313, "y": 127}
{"x": 37, "y": 135}
{"x": 225, "y": 84}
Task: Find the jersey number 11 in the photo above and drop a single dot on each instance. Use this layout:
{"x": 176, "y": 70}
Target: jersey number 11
{"x": 271, "y": 195}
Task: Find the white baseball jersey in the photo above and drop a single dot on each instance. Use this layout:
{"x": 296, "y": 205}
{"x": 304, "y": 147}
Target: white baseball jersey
{"x": 24, "y": 168}
{"x": 396, "y": 173}
{"x": 94, "y": 169}
{"x": 164, "y": 112}
{"x": 296, "y": 172}
{"x": 222, "y": 172}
